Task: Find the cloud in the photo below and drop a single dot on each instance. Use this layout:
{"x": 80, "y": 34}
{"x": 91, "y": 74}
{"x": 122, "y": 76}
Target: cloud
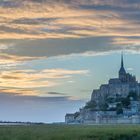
{"x": 127, "y": 41}
{"x": 130, "y": 69}
{"x": 19, "y": 91}
{"x": 55, "y": 93}
{"x": 30, "y": 82}
{"x": 11, "y": 96}
{"x": 49, "y": 20}
{"x": 49, "y": 48}
{"x": 43, "y": 26}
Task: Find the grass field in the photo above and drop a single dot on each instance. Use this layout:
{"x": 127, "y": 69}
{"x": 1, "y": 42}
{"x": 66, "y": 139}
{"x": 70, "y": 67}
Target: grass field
{"x": 70, "y": 132}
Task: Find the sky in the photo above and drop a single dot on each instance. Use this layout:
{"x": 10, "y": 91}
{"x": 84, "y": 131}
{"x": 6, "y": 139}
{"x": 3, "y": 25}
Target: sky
{"x": 53, "y": 53}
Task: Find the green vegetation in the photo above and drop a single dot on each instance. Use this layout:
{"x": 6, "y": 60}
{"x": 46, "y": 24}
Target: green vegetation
{"x": 70, "y": 132}
{"x": 90, "y": 105}
{"x": 119, "y": 109}
{"x": 133, "y": 95}
{"x": 124, "y": 102}
{"x": 103, "y": 106}
{"x": 110, "y": 100}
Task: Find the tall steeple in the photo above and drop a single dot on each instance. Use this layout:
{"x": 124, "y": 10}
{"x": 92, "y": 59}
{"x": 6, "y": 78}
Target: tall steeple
{"x": 122, "y": 65}
{"x": 122, "y": 72}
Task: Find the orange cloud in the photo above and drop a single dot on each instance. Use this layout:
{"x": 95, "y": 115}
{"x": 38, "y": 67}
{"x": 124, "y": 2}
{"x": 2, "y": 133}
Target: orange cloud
{"x": 20, "y": 91}
{"x": 33, "y": 20}
{"x": 37, "y": 20}
{"x": 15, "y": 80}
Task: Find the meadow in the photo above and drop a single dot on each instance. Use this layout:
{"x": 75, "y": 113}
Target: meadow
{"x": 70, "y": 132}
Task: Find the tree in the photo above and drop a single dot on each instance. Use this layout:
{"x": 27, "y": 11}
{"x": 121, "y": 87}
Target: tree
{"x": 90, "y": 105}
{"x": 126, "y": 102}
{"x": 133, "y": 94}
{"x": 110, "y": 100}
{"x": 103, "y": 106}
{"x": 119, "y": 111}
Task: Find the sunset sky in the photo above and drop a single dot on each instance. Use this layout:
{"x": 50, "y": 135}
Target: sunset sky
{"x": 53, "y": 53}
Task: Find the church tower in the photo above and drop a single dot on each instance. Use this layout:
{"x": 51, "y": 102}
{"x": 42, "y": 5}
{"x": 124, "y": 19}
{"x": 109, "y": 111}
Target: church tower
{"x": 122, "y": 72}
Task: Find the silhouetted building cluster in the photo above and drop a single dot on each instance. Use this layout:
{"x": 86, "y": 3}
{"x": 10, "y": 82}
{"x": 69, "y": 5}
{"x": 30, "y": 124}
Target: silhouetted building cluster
{"x": 115, "y": 102}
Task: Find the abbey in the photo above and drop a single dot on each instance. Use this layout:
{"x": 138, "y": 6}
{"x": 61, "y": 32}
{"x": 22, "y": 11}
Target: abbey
{"x": 123, "y": 85}
{"x": 115, "y": 102}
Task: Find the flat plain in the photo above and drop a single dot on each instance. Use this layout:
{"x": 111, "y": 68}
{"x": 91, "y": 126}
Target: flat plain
{"x": 70, "y": 132}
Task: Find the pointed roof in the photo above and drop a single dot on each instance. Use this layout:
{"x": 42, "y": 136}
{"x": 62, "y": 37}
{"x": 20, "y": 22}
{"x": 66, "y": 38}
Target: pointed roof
{"x": 122, "y": 65}
{"x": 122, "y": 70}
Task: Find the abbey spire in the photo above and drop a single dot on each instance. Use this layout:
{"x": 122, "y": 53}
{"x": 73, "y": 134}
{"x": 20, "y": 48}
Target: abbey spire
{"x": 122, "y": 72}
{"x": 122, "y": 65}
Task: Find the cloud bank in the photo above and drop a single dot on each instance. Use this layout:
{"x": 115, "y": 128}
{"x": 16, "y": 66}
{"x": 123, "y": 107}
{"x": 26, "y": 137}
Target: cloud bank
{"x": 39, "y": 29}
{"x": 23, "y": 22}
{"x": 30, "y": 82}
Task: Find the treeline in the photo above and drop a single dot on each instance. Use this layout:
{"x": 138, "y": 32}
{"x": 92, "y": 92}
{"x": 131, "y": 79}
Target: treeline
{"x": 20, "y": 122}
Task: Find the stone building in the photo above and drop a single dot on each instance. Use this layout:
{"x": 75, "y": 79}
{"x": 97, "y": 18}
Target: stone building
{"x": 123, "y": 85}
{"x": 124, "y": 110}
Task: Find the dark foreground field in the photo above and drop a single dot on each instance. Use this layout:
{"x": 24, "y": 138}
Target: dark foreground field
{"x": 71, "y": 132}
